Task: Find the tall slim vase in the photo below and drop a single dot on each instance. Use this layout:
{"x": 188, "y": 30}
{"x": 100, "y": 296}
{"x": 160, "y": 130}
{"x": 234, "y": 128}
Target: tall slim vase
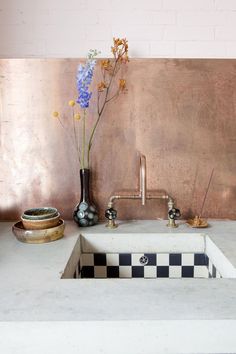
{"x": 85, "y": 213}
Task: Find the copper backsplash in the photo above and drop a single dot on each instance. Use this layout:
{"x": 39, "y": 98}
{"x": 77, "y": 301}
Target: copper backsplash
{"x": 180, "y": 113}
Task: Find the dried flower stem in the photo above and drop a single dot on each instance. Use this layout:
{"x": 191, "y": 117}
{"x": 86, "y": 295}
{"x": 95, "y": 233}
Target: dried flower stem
{"x": 83, "y": 139}
{"x": 76, "y": 146}
{"x": 75, "y": 136}
{"x": 103, "y": 107}
{"x": 109, "y": 70}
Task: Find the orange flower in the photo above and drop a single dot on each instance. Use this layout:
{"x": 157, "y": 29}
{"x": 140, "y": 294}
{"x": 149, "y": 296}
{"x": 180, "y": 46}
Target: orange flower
{"x": 122, "y": 84}
{"x": 125, "y": 44}
{"x": 113, "y": 50}
{"x": 120, "y": 49}
{"x": 105, "y": 64}
{"x": 101, "y": 86}
{"x": 117, "y": 41}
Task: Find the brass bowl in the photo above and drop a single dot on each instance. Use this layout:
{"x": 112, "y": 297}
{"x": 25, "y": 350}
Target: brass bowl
{"x": 197, "y": 222}
{"x": 38, "y": 236}
{"x": 40, "y": 224}
{"x": 40, "y": 213}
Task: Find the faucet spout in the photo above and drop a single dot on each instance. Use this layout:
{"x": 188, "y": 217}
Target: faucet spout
{"x": 142, "y": 194}
{"x": 142, "y": 181}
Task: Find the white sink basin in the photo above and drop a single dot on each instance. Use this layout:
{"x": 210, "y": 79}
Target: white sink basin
{"x": 147, "y": 256}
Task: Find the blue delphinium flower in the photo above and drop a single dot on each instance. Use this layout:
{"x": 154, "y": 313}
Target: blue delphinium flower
{"x": 84, "y": 79}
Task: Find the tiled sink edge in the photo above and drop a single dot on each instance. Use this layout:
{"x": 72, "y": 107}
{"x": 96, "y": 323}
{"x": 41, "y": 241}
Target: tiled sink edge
{"x": 73, "y": 260}
{"x": 220, "y": 261}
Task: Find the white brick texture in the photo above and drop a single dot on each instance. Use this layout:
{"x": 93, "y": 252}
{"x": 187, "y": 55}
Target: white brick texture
{"x": 154, "y": 28}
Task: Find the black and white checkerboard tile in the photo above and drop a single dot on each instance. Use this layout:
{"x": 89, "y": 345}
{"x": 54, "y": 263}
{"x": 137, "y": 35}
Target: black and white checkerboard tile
{"x": 145, "y": 265}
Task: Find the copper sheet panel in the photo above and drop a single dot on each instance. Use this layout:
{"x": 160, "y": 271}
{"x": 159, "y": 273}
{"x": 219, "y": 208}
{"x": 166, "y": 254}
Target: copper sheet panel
{"x": 180, "y": 113}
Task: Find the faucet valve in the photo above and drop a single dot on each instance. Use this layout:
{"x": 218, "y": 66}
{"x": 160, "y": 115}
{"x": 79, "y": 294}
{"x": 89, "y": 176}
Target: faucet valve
{"x": 111, "y": 215}
{"x": 173, "y": 213}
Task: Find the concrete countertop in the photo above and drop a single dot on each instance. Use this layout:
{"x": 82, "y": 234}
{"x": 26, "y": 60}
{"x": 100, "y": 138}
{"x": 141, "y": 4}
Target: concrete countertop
{"x": 31, "y": 289}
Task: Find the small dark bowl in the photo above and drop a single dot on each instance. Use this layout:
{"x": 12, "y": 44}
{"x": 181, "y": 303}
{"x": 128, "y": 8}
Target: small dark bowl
{"x": 40, "y": 213}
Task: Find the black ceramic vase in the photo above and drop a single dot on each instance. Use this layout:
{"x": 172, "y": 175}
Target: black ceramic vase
{"x": 85, "y": 213}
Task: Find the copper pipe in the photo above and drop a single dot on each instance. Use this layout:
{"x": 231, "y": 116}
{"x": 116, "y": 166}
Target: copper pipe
{"x": 136, "y": 196}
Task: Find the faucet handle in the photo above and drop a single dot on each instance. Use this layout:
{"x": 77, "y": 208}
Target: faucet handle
{"x": 111, "y": 215}
{"x": 174, "y": 213}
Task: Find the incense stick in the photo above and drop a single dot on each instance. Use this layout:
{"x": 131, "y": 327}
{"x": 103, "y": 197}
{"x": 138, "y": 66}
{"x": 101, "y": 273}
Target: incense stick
{"x": 204, "y": 200}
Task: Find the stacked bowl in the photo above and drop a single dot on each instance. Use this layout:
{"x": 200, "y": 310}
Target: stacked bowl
{"x": 40, "y": 218}
{"x": 39, "y": 225}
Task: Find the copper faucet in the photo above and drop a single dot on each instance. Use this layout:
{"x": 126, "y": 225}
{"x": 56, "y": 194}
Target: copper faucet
{"x": 144, "y": 195}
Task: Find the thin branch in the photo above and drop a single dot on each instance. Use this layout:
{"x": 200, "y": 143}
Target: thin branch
{"x": 114, "y": 96}
{"x": 102, "y": 109}
{"x": 75, "y": 136}
{"x": 69, "y": 135}
{"x": 116, "y": 68}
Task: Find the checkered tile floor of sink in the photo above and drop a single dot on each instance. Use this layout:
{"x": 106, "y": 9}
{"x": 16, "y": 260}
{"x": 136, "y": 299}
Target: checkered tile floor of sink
{"x": 145, "y": 265}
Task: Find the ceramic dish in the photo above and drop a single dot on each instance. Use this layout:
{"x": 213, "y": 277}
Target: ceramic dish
{"x": 38, "y": 236}
{"x": 40, "y": 213}
{"x": 40, "y": 224}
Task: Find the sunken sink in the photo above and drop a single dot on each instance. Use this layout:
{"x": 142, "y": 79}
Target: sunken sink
{"x": 147, "y": 256}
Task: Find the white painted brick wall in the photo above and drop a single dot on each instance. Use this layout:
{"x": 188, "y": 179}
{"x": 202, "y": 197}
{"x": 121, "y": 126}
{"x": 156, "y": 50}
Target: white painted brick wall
{"x": 154, "y": 28}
